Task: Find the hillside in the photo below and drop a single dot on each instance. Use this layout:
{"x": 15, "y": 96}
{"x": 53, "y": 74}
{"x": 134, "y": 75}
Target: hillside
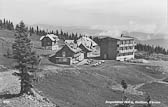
{"x": 87, "y": 86}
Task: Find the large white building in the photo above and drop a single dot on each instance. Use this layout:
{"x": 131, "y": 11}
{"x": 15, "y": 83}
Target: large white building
{"x": 121, "y": 48}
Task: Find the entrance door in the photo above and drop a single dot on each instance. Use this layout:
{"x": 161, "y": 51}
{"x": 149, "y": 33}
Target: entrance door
{"x": 105, "y": 56}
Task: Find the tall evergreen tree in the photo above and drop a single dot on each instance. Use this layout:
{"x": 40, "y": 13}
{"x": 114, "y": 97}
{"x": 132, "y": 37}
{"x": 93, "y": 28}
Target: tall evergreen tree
{"x": 37, "y": 30}
{"x": 1, "y": 23}
{"x": 61, "y": 33}
{"x": 57, "y": 33}
{"x": 22, "y": 52}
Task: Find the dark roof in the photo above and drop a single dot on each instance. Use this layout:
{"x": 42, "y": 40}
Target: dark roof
{"x": 73, "y": 48}
{"x": 87, "y": 48}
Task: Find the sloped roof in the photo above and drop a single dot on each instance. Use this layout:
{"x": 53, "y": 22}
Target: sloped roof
{"x": 118, "y": 38}
{"x": 86, "y": 41}
{"x": 86, "y": 47}
{"x": 69, "y": 41}
{"x": 74, "y": 48}
{"x": 51, "y": 36}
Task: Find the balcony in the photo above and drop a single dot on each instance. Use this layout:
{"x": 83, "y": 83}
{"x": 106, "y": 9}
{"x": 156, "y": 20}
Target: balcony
{"x": 125, "y": 45}
{"x": 126, "y": 51}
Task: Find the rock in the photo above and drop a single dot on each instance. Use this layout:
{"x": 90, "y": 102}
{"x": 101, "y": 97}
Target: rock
{"x": 6, "y": 102}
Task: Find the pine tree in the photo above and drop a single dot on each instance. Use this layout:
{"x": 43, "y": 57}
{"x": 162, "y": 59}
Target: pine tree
{"x": 37, "y": 30}
{"x": 22, "y": 52}
{"x": 57, "y": 33}
{"x": 1, "y": 23}
{"x": 124, "y": 86}
{"x": 61, "y": 33}
{"x": 4, "y": 24}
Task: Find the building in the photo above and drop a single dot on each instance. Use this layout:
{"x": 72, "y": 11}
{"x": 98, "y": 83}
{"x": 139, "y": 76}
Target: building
{"x": 67, "y": 55}
{"x": 87, "y": 45}
{"x": 121, "y": 48}
{"x": 87, "y": 42}
{"x": 85, "y": 49}
{"x": 49, "y": 41}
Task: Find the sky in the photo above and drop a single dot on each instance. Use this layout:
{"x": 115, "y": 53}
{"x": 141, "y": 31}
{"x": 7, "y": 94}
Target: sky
{"x": 149, "y": 15}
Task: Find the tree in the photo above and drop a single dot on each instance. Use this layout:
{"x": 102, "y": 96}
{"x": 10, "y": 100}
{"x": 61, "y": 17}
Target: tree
{"x": 57, "y": 33}
{"x": 22, "y": 52}
{"x": 124, "y": 86}
{"x": 61, "y": 33}
{"x": 1, "y": 24}
{"x": 37, "y": 30}
{"x": 148, "y": 99}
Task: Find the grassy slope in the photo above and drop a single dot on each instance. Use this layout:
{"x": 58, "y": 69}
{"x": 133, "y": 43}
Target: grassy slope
{"x": 157, "y": 91}
{"x": 86, "y": 86}
{"x": 6, "y": 39}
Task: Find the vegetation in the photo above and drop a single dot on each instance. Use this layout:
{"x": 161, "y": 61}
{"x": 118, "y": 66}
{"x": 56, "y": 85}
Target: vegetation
{"x": 26, "y": 58}
{"x": 151, "y": 49}
{"x": 124, "y": 86}
{"x": 6, "y": 24}
{"x": 148, "y": 99}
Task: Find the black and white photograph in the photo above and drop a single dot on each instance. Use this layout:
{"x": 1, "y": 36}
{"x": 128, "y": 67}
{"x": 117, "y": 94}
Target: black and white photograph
{"x": 83, "y": 53}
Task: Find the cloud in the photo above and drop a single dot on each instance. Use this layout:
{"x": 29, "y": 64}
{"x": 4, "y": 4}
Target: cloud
{"x": 85, "y": 12}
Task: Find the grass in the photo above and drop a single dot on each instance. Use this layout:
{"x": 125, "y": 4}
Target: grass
{"x": 157, "y": 91}
{"x": 86, "y": 86}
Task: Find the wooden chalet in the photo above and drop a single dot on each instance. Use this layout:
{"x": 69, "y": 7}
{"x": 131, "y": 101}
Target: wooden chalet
{"x": 68, "y": 54}
{"x": 85, "y": 49}
{"x": 49, "y": 41}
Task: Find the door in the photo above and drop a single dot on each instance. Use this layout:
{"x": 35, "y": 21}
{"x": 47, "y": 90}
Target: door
{"x": 105, "y": 56}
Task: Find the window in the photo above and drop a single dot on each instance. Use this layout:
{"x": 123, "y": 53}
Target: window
{"x": 48, "y": 43}
{"x": 64, "y": 60}
{"x": 63, "y": 54}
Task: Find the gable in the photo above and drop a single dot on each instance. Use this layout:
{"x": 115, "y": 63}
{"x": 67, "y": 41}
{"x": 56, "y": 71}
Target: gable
{"x": 84, "y": 48}
{"x": 66, "y": 50}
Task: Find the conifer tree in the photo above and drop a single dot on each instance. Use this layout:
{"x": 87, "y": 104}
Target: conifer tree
{"x": 37, "y": 30}
{"x": 57, "y": 33}
{"x": 1, "y": 23}
{"x": 22, "y": 52}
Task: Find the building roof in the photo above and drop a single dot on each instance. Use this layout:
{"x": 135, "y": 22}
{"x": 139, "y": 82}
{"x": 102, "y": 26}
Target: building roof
{"x": 51, "y": 36}
{"x": 118, "y": 38}
{"x": 86, "y": 41}
{"x": 86, "y": 47}
{"x": 74, "y": 48}
{"x": 69, "y": 41}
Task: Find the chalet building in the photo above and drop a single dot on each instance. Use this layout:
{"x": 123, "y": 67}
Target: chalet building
{"x": 121, "y": 48}
{"x": 49, "y": 41}
{"x": 87, "y": 45}
{"x": 85, "y": 49}
{"x": 87, "y": 42}
{"x": 67, "y": 55}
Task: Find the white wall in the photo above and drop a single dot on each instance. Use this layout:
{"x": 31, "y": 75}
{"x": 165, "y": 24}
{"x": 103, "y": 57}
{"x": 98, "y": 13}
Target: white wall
{"x": 122, "y": 58}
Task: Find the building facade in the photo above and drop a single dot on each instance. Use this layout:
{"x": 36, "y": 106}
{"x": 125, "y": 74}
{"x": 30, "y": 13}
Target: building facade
{"x": 67, "y": 55}
{"x": 121, "y": 48}
{"x": 49, "y": 41}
